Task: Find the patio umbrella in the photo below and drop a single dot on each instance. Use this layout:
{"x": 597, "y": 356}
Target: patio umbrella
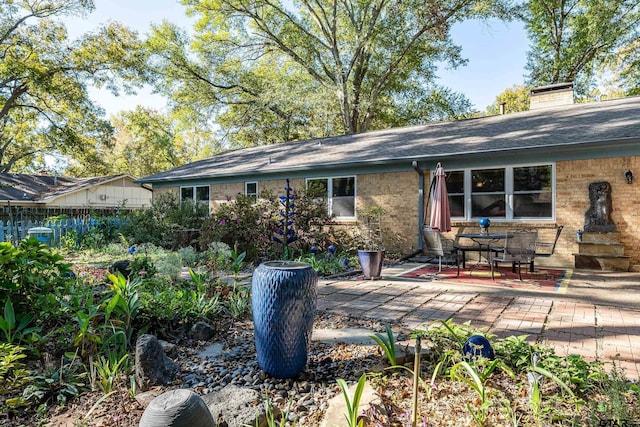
{"x": 440, "y": 213}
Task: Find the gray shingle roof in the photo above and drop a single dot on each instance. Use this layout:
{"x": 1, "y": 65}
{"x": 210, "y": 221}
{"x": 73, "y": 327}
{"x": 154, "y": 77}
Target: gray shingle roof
{"x": 35, "y": 188}
{"x": 574, "y": 124}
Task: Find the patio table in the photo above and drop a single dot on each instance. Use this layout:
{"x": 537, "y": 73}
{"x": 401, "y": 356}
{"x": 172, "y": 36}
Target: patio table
{"x": 484, "y": 242}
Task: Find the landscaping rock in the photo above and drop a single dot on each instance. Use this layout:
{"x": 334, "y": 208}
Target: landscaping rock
{"x": 235, "y": 406}
{"x": 169, "y": 349}
{"x": 177, "y": 408}
{"x": 334, "y": 416}
{"x": 153, "y": 367}
{"x": 202, "y": 331}
{"x": 146, "y": 397}
{"x": 211, "y": 351}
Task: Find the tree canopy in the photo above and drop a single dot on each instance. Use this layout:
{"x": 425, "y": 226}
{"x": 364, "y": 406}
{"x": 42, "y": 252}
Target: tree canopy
{"x": 515, "y": 98}
{"x": 572, "y": 39}
{"x": 44, "y": 104}
{"x": 269, "y": 71}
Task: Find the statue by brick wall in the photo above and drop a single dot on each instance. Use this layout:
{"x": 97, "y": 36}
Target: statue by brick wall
{"x": 598, "y": 217}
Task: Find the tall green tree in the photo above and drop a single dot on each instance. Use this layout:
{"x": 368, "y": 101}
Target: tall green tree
{"x": 146, "y": 142}
{"x": 572, "y": 39}
{"x": 44, "y": 104}
{"x": 272, "y": 71}
{"x": 515, "y": 98}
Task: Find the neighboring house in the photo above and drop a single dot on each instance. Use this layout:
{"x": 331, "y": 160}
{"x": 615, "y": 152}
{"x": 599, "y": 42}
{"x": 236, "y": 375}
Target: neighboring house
{"x": 528, "y": 169}
{"x": 59, "y": 192}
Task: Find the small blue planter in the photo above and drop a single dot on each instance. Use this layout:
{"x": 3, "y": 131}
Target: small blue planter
{"x": 283, "y": 300}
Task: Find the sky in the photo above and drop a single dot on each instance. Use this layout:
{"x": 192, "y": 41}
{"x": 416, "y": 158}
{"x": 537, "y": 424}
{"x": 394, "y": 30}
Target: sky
{"x": 496, "y": 51}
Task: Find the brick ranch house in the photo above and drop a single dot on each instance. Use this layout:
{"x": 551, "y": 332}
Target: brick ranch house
{"x": 522, "y": 170}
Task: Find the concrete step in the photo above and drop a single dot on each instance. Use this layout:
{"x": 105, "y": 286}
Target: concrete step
{"x": 602, "y": 262}
{"x": 600, "y": 238}
{"x": 615, "y": 249}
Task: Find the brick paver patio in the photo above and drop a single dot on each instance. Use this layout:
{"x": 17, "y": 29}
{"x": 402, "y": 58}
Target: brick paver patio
{"x": 587, "y": 320}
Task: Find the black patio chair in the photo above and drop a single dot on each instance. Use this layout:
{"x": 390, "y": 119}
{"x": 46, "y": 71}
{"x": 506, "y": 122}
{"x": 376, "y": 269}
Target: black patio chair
{"x": 546, "y": 249}
{"x": 519, "y": 248}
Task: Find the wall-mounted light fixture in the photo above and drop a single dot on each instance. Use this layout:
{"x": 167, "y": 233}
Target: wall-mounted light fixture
{"x": 629, "y": 176}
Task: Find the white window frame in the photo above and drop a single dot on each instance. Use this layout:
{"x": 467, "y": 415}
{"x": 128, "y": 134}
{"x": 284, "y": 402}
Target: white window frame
{"x": 194, "y": 188}
{"x": 329, "y": 180}
{"x": 246, "y": 190}
{"x": 509, "y": 193}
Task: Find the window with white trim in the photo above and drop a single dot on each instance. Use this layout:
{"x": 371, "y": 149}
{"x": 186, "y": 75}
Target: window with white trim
{"x": 338, "y": 194}
{"x": 196, "y": 194}
{"x": 251, "y": 190}
{"x": 509, "y": 193}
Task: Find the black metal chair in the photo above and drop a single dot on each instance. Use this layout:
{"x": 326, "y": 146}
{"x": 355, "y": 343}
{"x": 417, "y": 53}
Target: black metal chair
{"x": 546, "y": 249}
{"x": 435, "y": 245}
{"x": 519, "y": 248}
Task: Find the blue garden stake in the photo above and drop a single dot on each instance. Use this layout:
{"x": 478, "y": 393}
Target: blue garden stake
{"x": 286, "y": 232}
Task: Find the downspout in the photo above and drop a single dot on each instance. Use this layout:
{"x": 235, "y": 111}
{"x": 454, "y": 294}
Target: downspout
{"x": 420, "y": 212}
{"x": 420, "y": 202}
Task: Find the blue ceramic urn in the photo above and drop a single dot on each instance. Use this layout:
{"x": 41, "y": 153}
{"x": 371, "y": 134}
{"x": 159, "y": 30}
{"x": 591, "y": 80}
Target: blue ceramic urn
{"x": 283, "y": 300}
{"x": 477, "y": 346}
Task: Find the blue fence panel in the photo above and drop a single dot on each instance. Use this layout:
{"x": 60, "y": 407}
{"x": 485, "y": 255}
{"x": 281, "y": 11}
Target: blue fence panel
{"x": 14, "y": 232}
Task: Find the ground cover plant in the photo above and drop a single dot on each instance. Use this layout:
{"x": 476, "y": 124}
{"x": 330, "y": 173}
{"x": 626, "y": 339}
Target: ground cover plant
{"x": 69, "y": 319}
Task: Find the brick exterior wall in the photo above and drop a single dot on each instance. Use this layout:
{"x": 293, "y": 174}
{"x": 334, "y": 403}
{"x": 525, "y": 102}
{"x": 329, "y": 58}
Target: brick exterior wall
{"x": 397, "y": 193}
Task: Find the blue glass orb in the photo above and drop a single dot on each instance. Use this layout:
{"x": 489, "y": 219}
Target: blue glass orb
{"x": 477, "y": 346}
{"x": 485, "y": 222}
{"x": 314, "y": 250}
{"x": 332, "y": 249}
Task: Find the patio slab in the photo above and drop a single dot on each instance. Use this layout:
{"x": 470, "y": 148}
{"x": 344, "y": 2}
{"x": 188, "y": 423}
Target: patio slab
{"x": 598, "y": 317}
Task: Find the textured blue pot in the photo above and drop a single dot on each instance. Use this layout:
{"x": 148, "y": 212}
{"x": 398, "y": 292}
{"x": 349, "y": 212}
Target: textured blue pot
{"x": 283, "y": 300}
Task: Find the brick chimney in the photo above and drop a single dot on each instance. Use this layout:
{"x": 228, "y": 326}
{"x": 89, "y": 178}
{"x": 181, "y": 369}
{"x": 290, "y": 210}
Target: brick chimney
{"x": 554, "y": 95}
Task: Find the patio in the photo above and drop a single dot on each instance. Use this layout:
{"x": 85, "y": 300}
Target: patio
{"x": 598, "y": 317}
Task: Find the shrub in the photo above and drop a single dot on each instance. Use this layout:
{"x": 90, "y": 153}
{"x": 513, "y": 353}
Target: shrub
{"x": 29, "y": 272}
{"x": 160, "y": 223}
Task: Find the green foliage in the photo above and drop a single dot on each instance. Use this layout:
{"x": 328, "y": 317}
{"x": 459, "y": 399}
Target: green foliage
{"x": 45, "y": 105}
{"x": 109, "y": 371}
{"x": 515, "y": 98}
{"x": 387, "y": 344}
{"x": 57, "y": 384}
{"x": 13, "y": 376}
{"x": 123, "y": 301}
{"x": 17, "y": 328}
{"x": 238, "y": 302}
{"x": 325, "y": 68}
{"x": 160, "y": 223}
{"x": 30, "y": 273}
{"x": 247, "y": 226}
{"x": 353, "y": 403}
{"x": 475, "y": 376}
{"x": 189, "y": 256}
{"x": 241, "y": 224}
{"x": 571, "y": 40}
{"x": 143, "y": 267}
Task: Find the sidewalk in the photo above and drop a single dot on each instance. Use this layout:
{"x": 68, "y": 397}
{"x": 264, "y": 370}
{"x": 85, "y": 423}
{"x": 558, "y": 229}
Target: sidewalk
{"x": 598, "y": 317}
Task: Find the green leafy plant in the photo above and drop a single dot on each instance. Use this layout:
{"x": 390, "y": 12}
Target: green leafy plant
{"x": 476, "y": 379}
{"x": 353, "y": 404}
{"x": 16, "y": 328}
{"x": 87, "y": 339}
{"x": 123, "y": 300}
{"x": 13, "y": 375}
{"x": 239, "y": 303}
{"x": 58, "y": 384}
{"x": 109, "y": 371}
{"x": 387, "y": 344}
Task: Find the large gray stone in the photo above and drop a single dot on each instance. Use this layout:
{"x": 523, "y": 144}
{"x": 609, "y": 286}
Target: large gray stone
{"x": 153, "y": 367}
{"x": 202, "y": 331}
{"x": 177, "y": 408}
{"x": 234, "y": 406}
